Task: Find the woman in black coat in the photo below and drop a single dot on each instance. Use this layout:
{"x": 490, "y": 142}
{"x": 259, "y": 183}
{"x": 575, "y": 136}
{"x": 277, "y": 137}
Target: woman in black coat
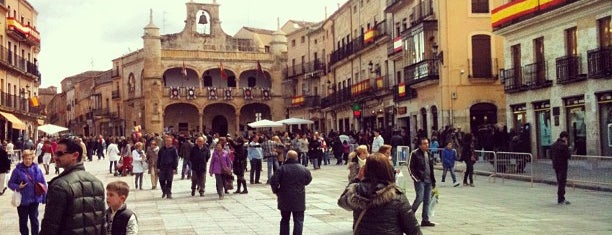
{"x": 240, "y": 163}
{"x": 467, "y": 155}
{"x": 5, "y": 167}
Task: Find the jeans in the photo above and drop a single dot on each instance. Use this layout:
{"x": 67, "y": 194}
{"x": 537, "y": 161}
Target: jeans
{"x": 272, "y": 164}
{"x": 186, "y": 164}
{"x": 25, "y": 212}
{"x": 138, "y": 180}
{"x": 255, "y": 169}
{"x": 452, "y": 172}
{"x": 298, "y": 222}
{"x": 561, "y": 181}
{"x": 304, "y": 159}
{"x": 165, "y": 180}
{"x": 423, "y": 194}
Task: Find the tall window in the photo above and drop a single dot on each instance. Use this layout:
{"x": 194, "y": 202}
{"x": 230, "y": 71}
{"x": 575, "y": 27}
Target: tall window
{"x": 480, "y": 6}
{"x": 481, "y": 56}
{"x": 571, "y": 42}
{"x": 251, "y": 81}
{"x": 604, "y": 31}
{"x": 515, "y": 52}
{"x": 538, "y": 52}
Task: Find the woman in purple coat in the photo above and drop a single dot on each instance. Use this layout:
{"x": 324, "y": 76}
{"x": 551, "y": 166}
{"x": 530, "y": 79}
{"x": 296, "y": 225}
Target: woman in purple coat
{"x": 24, "y": 179}
{"x": 220, "y": 160}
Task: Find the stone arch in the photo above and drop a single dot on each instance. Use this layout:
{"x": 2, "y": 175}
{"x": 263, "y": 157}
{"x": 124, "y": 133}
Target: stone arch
{"x": 181, "y": 77}
{"x": 482, "y": 114}
{"x": 248, "y": 113}
{"x": 181, "y": 118}
{"x": 213, "y": 111}
{"x": 217, "y": 79}
{"x": 255, "y": 78}
{"x": 203, "y": 28}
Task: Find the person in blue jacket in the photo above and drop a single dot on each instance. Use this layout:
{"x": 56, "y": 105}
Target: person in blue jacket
{"x": 24, "y": 179}
{"x": 449, "y": 155}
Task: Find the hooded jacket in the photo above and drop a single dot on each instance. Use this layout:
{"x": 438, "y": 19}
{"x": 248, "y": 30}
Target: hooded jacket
{"x": 388, "y": 209}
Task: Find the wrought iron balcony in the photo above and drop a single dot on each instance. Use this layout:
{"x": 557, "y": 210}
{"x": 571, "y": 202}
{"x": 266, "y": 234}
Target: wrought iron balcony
{"x": 569, "y": 70}
{"x": 513, "y": 80}
{"x": 535, "y": 76}
{"x": 402, "y": 92}
{"x": 360, "y": 43}
{"x": 423, "y": 71}
{"x": 311, "y": 101}
{"x": 600, "y": 62}
{"x": 339, "y": 97}
{"x": 12, "y": 60}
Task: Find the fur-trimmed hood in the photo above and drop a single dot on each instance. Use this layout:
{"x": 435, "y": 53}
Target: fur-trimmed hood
{"x": 364, "y": 194}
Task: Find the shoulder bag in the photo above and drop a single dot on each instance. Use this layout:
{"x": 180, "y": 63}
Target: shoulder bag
{"x": 39, "y": 187}
{"x": 359, "y": 221}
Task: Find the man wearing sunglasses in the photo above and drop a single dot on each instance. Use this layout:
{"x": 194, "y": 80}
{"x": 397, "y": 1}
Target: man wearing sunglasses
{"x": 75, "y": 198}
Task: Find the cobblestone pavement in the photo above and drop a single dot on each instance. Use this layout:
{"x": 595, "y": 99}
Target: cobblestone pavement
{"x": 511, "y": 207}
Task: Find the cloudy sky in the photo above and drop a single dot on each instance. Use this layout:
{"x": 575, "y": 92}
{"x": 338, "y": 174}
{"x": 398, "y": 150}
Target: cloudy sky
{"x": 78, "y": 35}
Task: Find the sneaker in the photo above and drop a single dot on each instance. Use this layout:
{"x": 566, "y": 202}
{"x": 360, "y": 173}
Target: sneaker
{"x": 169, "y": 196}
{"x": 456, "y": 184}
{"x": 565, "y": 202}
{"x": 163, "y": 195}
{"x": 427, "y": 224}
{"x": 192, "y": 193}
{"x": 442, "y": 181}
{"x": 472, "y": 185}
{"x": 244, "y": 192}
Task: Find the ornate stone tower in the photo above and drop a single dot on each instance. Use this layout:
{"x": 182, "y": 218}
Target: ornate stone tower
{"x": 152, "y": 77}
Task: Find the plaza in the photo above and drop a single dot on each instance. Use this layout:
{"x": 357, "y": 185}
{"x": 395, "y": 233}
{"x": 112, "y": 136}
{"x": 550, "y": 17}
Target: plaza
{"x": 511, "y": 207}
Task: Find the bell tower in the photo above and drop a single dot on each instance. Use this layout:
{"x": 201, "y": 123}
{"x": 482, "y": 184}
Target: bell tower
{"x": 151, "y": 76}
{"x": 205, "y": 14}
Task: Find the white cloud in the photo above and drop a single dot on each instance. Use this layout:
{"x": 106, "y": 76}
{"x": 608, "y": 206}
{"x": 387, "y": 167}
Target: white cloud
{"x": 78, "y": 35}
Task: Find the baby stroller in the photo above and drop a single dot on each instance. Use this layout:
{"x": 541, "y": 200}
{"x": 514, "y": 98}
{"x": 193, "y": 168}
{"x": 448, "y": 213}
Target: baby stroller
{"x": 124, "y": 166}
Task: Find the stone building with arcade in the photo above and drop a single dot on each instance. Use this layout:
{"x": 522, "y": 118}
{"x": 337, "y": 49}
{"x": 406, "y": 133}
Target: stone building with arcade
{"x": 200, "y": 79}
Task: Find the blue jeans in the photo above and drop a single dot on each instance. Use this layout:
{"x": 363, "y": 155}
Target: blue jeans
{"x": 304, "y": 159}
{"x": 25, "y": 212}
{"x": 452, "y": 172}
{"x": 272, "y": 164}
{"x": 298, "y": 222}
{"x": 423, "y": 194}
{"x": 186, "y": 164}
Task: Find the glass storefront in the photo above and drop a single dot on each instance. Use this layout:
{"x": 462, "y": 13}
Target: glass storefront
{"x": 605, "y": 122}
{"x": 543, "y": 128}
{"x": 576, "y": 124}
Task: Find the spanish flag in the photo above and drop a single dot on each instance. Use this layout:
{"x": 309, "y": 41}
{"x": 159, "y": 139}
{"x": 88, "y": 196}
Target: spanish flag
{"x": 34, "y": 101}
{"x": 223, "y": 74}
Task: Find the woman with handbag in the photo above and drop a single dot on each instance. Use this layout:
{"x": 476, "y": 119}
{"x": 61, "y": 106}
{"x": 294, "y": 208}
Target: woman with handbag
{"x": 221, "y": 166}
{"x": 467, "y": 155}
{"x": 28, "y": 180}
{"x": 378, "y": 205}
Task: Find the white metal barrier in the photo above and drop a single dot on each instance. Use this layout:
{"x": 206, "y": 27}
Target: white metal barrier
{"x": 590, "y": 170}
{"x": 512, "y": 164}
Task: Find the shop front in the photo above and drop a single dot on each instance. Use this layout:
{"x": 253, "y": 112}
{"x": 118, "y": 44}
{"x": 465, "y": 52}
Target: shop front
{"x": 575, "y": 123}
{"x": 604, "y": 101}
{"x": 543, "y": 128}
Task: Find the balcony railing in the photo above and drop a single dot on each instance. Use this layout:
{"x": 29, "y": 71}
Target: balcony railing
{"x": 421, "y": 12}
{"x": 22, "y": 32}
{"x": 221, "y": 93}
{"x": 600, "y": 62}
{"x": 338, "y": 97}
{"x": 101, "y": 112}
{"x": 18, "y": 103}
{"x": 535, "y": 75}
{"x": 312, "y": 101}
{"x": 482, "y": 68}
{"x": 402, "y": 92}
{"x": 422, "y": 71}
{"x": 115, "y": 94}
{"x": 359, "y": 43}
{"x": 314, "y": 66}
{"x": 19, "y": 63}
{"x": 569, "y": 70}
{"x": 513, "y": 80}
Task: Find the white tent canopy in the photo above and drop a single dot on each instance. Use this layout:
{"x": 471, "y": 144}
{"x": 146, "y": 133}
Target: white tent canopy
{"x": 295, "y": 121}
{"x": 264, "y": 123}
{"x": 51, "y": 129}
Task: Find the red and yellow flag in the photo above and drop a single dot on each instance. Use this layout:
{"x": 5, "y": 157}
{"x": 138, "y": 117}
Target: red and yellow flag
{"x": 34, "y": 101}
{"x": 223, "y": 74}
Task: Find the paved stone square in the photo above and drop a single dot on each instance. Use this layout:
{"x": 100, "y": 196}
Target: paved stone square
{"x": 511, "y": 207}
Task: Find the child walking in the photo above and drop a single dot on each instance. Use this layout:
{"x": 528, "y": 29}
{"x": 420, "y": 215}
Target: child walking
{"x": 449, "y": 155}
{"x": 119, "y": 219}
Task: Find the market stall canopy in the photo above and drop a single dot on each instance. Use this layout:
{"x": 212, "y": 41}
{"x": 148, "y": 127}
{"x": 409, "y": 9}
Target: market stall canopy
{"x": 17, "y": 124}
{"x": 51, "y": 129}
{"x": 295, "y": 121}
{"x": 264, "y": 123}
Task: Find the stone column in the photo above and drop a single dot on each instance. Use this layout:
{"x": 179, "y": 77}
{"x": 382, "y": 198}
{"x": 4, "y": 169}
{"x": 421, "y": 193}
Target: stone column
{"x": 201, "y": 120}
{"x": 237, "y": 130}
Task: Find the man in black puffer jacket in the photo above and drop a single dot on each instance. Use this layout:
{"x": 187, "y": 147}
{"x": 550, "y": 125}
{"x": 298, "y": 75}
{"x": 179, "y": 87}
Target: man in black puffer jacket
{"x": 75, "y": 198}
{"x": 167, "y": 162}
{"x": 422, "y": 173}
{"x": 289, "y": 184}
